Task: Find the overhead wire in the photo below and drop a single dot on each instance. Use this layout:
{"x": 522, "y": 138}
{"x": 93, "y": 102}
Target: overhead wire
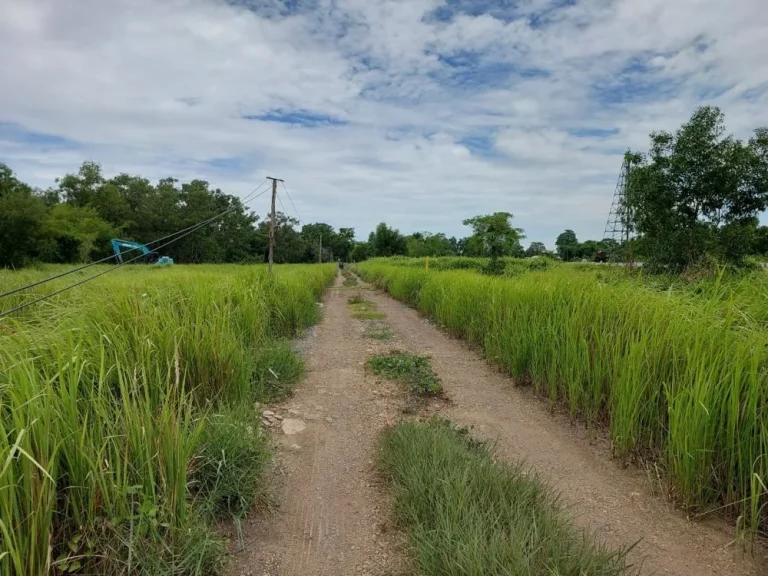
{"x": 148, "y": 244}
{"x": 301, "y": 221}
{"x": 187, "y": 232}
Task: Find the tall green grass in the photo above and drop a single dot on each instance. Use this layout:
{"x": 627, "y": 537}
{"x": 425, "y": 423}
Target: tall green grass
{"x": 510, "y": 266}
{"x": 125, "y": 413}
{"x": 675, "y": 378}
{"x": 466, "y": 514}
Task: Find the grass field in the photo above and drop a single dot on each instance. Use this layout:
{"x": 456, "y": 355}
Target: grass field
{"x": 676, "y": 370}
{"x": 126, "y": 408}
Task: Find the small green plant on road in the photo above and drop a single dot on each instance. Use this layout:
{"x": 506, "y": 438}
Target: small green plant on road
{"x": 414, "y": 370}
{"x": 363, "y": 309}
{"x": 377, "y": 331}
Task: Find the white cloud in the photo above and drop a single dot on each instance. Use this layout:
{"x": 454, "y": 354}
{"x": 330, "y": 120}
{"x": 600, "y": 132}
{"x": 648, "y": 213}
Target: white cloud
{"x": 536, "y": 128}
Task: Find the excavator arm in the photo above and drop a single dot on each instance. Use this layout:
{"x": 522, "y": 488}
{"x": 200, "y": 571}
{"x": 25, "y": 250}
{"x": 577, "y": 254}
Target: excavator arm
{"x": 134, "y": 248}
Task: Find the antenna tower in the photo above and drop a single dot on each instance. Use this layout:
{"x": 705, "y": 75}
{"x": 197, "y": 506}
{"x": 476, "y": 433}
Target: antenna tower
{"x": 620, "y": 222}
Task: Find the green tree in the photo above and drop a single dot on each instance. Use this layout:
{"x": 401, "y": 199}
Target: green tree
{"x": 696, "y": 192}
{"x": 75, "y": 234}
{"x": 422, "y": 244}
{"x": 567, "y": 245}
{"x": 22, "y": 214}
{"x": 760, "y": 241}
{"x": 386, "y": 241}
{"x": 80, "y": 189}
{"x": 315, "y": 235}
{"x": 495, "y": 233}
{"x": 290, "y": 244}
{"x": 360, "y": 251}
{"x": 343, "y": 243}
{"x": 535, "y": 249}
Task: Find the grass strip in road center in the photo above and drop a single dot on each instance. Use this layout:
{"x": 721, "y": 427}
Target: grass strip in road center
{"x": 363, "y": 309}
{"x": 466, "y": 514}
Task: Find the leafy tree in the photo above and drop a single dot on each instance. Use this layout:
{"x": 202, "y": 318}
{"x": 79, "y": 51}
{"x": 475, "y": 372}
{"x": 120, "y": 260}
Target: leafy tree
{"x": 495, "y": 233}
{"x": 589, "y": 248}
{"x": 21, "y": 220}
{"x": 313, "y": 235}
{"x": 290, "y": 244}
{"x": 567, "y": 245}
{"x": 760, "y": 241}
{"x": 74, "y": 233}
{"x": 473, "y": 247}
{"x": 342, "y": 244}
{"x": 360, "y": 251}
{"x": 535, "y": 249}
{"x": 422, "y": 244}
{"x": 81, "y": 188}
{"x": 386, "y": 241}
{"x": 696, "y": 192}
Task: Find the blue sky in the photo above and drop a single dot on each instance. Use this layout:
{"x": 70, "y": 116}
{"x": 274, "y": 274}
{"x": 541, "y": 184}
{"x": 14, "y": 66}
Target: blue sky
{"x": 420, "y": 113}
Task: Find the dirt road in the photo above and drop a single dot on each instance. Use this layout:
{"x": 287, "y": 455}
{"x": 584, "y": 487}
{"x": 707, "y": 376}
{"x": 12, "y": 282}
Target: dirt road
{"x": 333, "y": 512}
{"x": 333, "y": 515}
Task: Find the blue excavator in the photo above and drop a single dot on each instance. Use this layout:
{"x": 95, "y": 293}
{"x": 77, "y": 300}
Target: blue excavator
{"x": 134, "y": 249}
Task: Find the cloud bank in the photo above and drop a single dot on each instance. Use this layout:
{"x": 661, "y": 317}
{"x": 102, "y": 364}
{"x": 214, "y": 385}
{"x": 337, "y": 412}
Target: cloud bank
{"x": 416, "y": 112}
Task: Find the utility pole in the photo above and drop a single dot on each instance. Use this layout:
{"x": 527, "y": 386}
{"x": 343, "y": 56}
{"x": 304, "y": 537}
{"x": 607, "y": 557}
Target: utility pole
{"x": 272, "y": 221}
{"x": 320, "y": 253}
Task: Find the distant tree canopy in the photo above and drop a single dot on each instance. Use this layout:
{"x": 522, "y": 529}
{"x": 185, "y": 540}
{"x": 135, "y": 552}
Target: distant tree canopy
{"x": 494, "y": 236}
{"x": 569, "y": 248}
{"x": 697, "y": 193}
{"x": 386, "y": 241}
{"x": 567, "y": 245}
{"x": 75, "y": 220}
{"x": 422, "y": 244}
{"x": 535, "y": 249}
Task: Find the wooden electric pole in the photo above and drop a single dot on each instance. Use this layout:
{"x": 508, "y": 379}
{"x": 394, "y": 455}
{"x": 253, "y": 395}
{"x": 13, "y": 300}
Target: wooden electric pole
{"x": 272, "y": 222}
{"x": 320, "y": 254}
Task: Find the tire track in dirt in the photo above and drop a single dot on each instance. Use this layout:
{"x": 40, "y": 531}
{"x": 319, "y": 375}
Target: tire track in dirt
{"x": 614, "y": 502}
{"x": 333, "y": 514}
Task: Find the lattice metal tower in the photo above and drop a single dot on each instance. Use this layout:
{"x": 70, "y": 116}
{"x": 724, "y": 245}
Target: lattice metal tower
{"x": 620, "y": 224}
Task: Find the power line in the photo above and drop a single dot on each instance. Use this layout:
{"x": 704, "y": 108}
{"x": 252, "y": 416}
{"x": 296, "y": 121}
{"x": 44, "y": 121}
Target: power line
{"x": 148, "y": 244}
{"x": 282, "y": 205}
{"x": 187, "y": 232}
{"x": 301, "y": 221}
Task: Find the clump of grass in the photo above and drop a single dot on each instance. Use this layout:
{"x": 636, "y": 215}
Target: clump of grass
{"x": 350, "y": 279}
{"x": 363, "y": 309}
{"x": 414, "y": 370}
{"x": 466, "y": 513}
{"x": 276, "y": 370}
{"x": 377, "y": 331}
{"x": 226, "y": 471}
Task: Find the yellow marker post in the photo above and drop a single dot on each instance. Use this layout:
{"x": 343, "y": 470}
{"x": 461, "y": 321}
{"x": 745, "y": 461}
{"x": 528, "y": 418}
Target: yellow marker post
{"x": 426, "y": 263}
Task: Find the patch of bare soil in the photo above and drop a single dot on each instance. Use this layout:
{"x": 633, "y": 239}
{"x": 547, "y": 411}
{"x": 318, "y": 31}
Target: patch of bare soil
{"x": 333, "y": 513}
{"x": 614, "y": 502}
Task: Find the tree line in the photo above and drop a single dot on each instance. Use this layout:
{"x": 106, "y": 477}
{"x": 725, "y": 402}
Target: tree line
{"x": 693, "y": 198}
{"x": 75, "y": 220}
